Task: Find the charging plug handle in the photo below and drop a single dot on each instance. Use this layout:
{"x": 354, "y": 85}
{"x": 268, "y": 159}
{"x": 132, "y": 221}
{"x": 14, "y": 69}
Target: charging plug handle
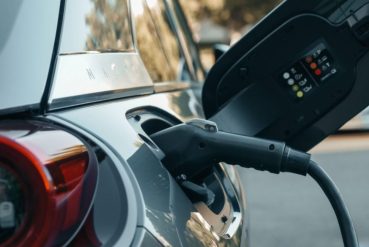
{"x": 193, "y": 147}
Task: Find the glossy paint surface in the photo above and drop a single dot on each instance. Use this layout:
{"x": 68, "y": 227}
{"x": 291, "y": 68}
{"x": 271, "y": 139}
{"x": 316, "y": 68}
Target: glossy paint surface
{"x": 167, "y": 213}
{"x": 26, "y": 46}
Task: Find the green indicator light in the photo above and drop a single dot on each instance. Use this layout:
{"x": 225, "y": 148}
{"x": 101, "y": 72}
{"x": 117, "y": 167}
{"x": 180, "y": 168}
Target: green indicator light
{"x": 295, "y": 88}
{"x": 300, "y": 94}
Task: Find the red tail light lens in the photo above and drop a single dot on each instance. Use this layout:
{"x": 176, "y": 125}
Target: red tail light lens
{"x": 48, "y": 179}
{"x": 11, "y": 203}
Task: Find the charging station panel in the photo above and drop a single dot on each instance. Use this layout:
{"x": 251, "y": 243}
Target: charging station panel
{"x": 307, "y": 74}
{"x": 291, "y": 79}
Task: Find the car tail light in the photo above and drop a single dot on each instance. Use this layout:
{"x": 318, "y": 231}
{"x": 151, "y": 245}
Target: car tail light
{"x": 48, "y": 180}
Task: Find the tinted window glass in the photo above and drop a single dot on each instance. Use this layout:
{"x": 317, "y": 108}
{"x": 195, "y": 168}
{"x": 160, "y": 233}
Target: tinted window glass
{"x": 149, "y": 45}
{"x": 96, "y": 25}
{"x": 167, "y": 35}
{"x": 187, "y": 41}
{"x": 157, "y": 42}
{"x": 98, "y": 57}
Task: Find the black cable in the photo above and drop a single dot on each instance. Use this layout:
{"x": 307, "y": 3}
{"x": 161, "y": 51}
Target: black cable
{"x": 201, "y": 145}
{"x": 335, "y": 198}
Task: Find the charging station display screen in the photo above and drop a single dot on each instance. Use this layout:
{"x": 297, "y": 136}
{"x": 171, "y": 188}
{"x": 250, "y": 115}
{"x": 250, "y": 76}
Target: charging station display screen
{"x": 307, "y": 74}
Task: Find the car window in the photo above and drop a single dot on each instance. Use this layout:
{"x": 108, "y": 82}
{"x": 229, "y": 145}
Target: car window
{"x": 185, "y": 34}
{"x": 98, "y": 58}
{"x": 96, "y": 25}
{"x": 157, "y": 42}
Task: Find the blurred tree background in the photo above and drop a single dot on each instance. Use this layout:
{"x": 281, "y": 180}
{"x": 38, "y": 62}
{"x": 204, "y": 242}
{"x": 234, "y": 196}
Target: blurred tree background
{"x": 104, "y": 36}
{"x": 233, "y": 14}
{"x": 212, "y": 22}
{"x": 223, "y": 21}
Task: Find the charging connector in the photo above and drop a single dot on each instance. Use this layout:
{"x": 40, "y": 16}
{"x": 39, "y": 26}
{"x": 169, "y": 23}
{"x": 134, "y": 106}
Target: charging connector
{"x": 194, "y": 147}
{"x": 191, "y": 148}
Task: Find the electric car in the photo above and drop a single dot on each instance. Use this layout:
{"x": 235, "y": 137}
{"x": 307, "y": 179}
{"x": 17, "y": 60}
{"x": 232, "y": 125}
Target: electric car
{"x": 90, "y": 88}
{"x": 83, "y": 86}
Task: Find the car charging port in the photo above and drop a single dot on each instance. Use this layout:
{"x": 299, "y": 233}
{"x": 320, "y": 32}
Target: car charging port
{"x": 196, "y": 192}
{"x": 152, "y": 126}
{"x": 203, "y": 188}
{"x": 210, "y": 190}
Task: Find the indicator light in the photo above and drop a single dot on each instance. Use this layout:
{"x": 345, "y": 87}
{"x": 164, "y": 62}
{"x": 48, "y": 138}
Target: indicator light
{"x": 313, "y": 66}
{"x": 290, "y": 82}
{"x": 286, "y": 75}
{"x": 300, "y": 94}
{"x": 308, "y": 59}
{"x": 318, "y": 72}
{"x": 295, "y": 88}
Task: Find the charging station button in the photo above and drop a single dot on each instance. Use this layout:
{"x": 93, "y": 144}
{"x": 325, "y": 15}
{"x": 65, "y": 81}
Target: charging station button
{"x": 298, "y": 83}
{"x": 306, "y": 75}
{"x": 319, "y": 63}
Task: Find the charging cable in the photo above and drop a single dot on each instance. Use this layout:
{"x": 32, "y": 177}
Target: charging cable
{"x": 193, "y": 147}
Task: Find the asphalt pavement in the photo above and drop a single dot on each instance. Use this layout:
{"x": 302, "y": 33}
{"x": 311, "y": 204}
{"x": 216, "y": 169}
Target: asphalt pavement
{"x": 290, "y": 210}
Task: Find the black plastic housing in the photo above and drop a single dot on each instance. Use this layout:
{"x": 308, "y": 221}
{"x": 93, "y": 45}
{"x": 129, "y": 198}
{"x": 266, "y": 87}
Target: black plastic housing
{"x": 244, "y": 93}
